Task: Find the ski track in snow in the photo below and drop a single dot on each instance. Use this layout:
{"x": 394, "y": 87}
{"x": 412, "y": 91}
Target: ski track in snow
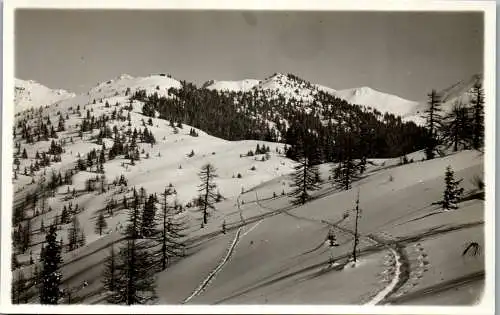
{"x": 252, "y": 228}
{"x": 388, "y": 289}
{"x": 219, "y": 267}
{"x": 212, "y": 274}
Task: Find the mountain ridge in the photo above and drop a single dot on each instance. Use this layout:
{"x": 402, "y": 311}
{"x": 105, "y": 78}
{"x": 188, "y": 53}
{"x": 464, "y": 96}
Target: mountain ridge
{"x": 287, "y": 85}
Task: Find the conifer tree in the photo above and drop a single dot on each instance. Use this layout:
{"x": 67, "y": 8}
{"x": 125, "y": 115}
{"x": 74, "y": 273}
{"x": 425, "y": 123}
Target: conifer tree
{"x": 134, "y": 282}
{"x": 207, "y": 189}
{"x": 478, "y": 117}
{"x": 344, "y": 174}
{"x": 452, "y": 192}
{"x": 306, "y": 176}
{"x": 457, "y": 127}
{"x": 109, "y": 274}
{"x": 171, "y": 231}
{"x": 74, "y": 234}
{"x": 100, "y": 223}
{"x": 51, "y": 275}
{"x": 433, "y": 123}
{"x": 148, "y": 217}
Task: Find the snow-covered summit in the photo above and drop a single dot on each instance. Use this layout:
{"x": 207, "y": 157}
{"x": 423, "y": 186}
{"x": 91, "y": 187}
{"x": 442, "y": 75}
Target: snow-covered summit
{"x": 380, "y": 101}
{"x": 291, "y": 86}
{"x": 159, "y": 83}
{"x": 233, "y": 86}
{"x": 29, "y": 94}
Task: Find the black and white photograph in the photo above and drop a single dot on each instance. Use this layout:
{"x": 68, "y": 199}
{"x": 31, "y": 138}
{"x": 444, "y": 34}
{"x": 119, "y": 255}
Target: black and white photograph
{"x": 231, "y": 156}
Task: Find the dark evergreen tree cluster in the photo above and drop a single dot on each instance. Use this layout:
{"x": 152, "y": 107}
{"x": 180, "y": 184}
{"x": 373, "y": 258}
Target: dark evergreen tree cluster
{"x": 129, "y": 274}
{"x": 76, "y": 235}
{"x": 461, "y": 128}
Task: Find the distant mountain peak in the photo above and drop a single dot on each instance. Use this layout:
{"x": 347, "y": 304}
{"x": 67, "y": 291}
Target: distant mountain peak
{"x": 30, "y": 94}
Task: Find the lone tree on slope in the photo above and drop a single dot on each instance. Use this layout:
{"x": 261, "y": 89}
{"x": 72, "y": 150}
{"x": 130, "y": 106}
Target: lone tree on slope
{"x": 452, "y": 192}
{"x": 433, "y": 117}
{"x": 51, "y": 275}
{"x": 207, "y": 189}
{"x": 100, "y": 224}
{"x": 306, "y": 177}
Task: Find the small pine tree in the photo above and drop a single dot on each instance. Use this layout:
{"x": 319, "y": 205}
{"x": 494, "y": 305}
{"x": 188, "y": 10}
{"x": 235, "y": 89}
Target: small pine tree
{"x": 100, "y": 223}
{"x": 452, "y": 192}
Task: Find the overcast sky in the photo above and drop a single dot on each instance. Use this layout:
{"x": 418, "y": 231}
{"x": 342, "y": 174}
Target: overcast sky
{"x": 406, "y": 54}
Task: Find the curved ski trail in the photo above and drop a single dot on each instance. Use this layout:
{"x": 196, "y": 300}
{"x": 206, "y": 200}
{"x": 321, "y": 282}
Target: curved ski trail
{"x": 390, "y": 287}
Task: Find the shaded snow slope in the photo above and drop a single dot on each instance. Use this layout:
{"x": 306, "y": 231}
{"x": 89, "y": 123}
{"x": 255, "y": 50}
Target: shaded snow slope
{"x": 284, "y": 259}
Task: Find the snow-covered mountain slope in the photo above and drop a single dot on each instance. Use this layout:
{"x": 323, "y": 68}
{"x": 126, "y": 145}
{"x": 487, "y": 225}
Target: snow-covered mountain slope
{"x": 234, "y": 86}
{"x": 158, "y": 83}
{"x": 460, "y": 89}
{"x": 460, "y": 92}
{"x": 165, "y": 162}
{"x": 382, "y": 102}
{"x": 29, "y": 94}
{"x": 291, "y": 87}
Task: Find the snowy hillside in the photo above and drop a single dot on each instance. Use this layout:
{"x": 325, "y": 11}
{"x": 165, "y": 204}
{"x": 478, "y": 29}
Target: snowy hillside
{"x": 292, "y": 87}
{"x": 119, "y": 85}
{"x": 175, "y": 158}
{"x": 380, "y": 101}
{"x": 29, "y": 94}
{"x": 460, "y": 92}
